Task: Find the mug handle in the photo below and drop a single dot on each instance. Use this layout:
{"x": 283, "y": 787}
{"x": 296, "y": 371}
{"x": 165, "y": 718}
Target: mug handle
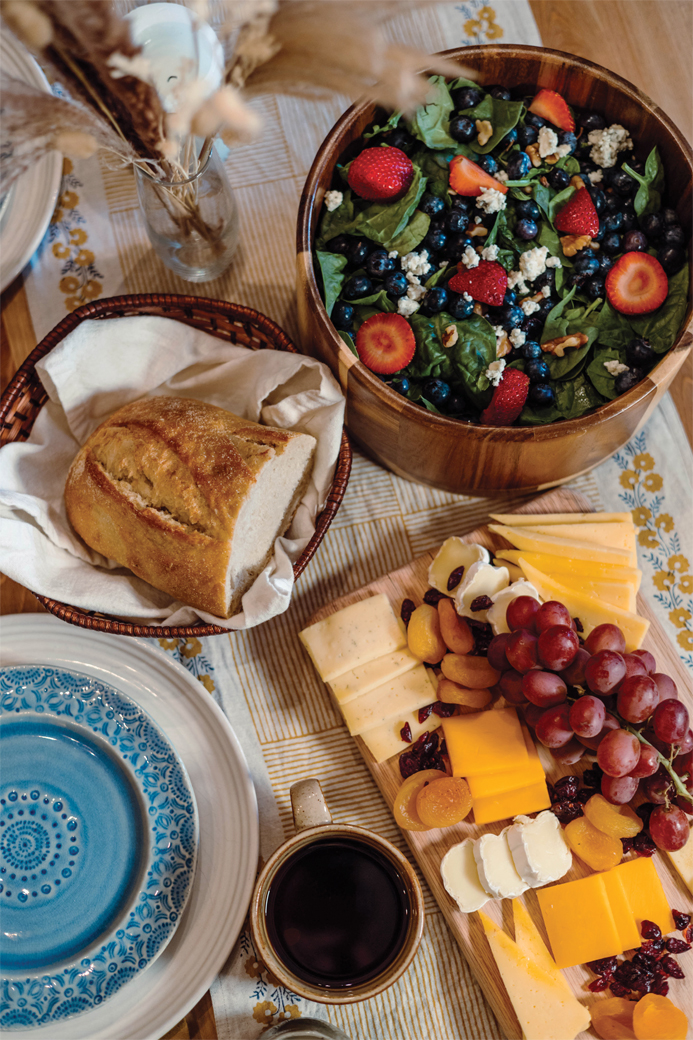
{"x": 308, "y": 805}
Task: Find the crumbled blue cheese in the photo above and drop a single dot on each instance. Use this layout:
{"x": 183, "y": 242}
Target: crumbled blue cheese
{"x": 393, "y": 254}
{"x": 491, "y": 201}
{"x": 494, "y": 372}
{"x": 517, "y": 337}
{"x": 529, "y": 307}
{"x": 477, "y": 220}
{"x": 501, "y": 176}
{"x": 416, "y": 263}
{"x": 470, "y": 258}
{"x": 547, "y": 141}
{"x": 333, "y": 199}
{"x": 614, "y": 368}
{"x": 533, "y": 262}
{"x": 606, "y": 144}
{"x": 406, "y": 306}
{"x": 467, "y": 297}
{"x": 553, "y": 261}
{"x": 516, "y": 281}
{"x": 490, "y": 253}
{"x": 546, "y": 289}
{"x": 500, "y": 336}
{"x": 596, "y": 176}
{"x": 416, "y": 291}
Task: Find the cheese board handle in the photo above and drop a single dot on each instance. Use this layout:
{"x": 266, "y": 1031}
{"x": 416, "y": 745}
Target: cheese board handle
{"x": 308, "y": 805}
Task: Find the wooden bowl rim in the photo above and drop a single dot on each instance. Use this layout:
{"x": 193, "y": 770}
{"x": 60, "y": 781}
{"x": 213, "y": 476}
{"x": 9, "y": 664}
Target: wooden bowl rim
{"x": 307, "y": 225}
{"x": 111, "y": 307}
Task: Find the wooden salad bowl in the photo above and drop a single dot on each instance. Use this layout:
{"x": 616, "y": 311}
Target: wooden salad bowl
{"x": 475, "y": 459}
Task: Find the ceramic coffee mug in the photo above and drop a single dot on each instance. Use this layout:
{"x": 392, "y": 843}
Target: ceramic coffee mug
{"x": 337, "y": 913}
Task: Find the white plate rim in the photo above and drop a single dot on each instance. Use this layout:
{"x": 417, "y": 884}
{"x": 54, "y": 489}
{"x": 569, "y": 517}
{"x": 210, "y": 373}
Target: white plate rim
{"x": 161, "y": 995}
{"x": 35, "y": 193}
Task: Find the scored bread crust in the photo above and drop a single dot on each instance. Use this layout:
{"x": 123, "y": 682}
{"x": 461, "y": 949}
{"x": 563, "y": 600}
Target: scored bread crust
{"x": 159, "y": 488}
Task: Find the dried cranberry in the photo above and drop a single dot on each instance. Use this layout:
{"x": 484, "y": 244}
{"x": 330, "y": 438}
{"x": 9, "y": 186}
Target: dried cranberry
{"x": 661, "y": 986}
{"x": 671, "y": 967}
{"x": 644, "y": 983}
{"x": 643, "y": 845}
{"x": 568, "y": 787}
{"x": 597, "y": 985}
{"x": 578, "y": 624}
{"x": 626, "y": 972}
{"x": 406, "y": 610}
{"x": 645, "y": 958}
{"x": 650, "y": 930}
{"x": 688, "y": 934}
{"x": 584, "y": 795}
{"x": 405, "y": 733}
{"x": 604, "y": 966}
{"x": 455, "y": 578}
{"x": 627, "y": 844}
{"x": 481, "y": 603}
{"x": 567, "y": 811}
{"x": 652, "y": 948}
{"x": 677, "y": 946}
{"x": 443, "y": 747}
{"x": 681, "y": 920}
{"x": 644, "y": 811}
{"x": 444, "y": 711}
{"x": 433, "y": 597}
{"x": 483, "y": 634}
{"x": 425, "y": 712}
{"x": 409, "y": 764}
{"x": 592, "y": 777}
{"x": 618, "y": 990}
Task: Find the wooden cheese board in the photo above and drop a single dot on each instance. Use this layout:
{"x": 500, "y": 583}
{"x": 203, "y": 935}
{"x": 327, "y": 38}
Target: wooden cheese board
{"x": 429, "y": 847}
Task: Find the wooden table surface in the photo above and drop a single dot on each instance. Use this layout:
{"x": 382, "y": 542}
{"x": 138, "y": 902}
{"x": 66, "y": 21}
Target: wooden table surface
{"x": 649, "y": 42}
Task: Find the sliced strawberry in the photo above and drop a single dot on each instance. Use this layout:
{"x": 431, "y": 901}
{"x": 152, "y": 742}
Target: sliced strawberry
{"x": 466, "y": 178}
{"x": 381, "y": 174}
{"x": 486, "y": 283}
{"x": 385, "y": 343}
{"x": 637, "y": 284}
{"x": 508, "y": 399}
{"x": 578, "y": 216}
{"x": 552, "y": 107}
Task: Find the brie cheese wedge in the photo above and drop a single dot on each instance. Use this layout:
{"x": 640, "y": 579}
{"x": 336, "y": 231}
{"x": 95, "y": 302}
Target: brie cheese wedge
{"x": 494, "y": 863}
{"x": 539, "y": 851}
{"x": 482, "y": 579}
{"x": 452, "y": 554}
{"x": 461, "y": 878}
{"x": 502, "y": 600}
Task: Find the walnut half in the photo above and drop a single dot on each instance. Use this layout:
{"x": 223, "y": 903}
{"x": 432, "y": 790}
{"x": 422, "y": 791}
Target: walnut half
{"x": 558, "y": 347}
{"x": 533, "y": 152}
{"x": 450, "y": 336}
{"x": 572, "y": 244}
{"x": 484, "y": 131}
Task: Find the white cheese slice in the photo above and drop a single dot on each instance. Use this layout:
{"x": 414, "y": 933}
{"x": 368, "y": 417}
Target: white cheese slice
{"x": 385, "y": 740}
{"x": 501, "y": 601}
{"x": 452, "y": 554}
{"x": 539, "y": 850}
{"x": 496, "y": 868}
{"x": 482, "y": 579}
{"x": 461, "y": 878}
{"x": 367, "y": 676}
{"x": 406, "y": 693}
{"x": 683, "y": 861}
{"x": 353, "y": 636}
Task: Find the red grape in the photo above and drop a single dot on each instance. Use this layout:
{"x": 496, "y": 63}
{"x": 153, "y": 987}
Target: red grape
{"x": 666, "y": 686}
{"x": 685, "y": 803}
{"x": 544, "y": 688}
{"x": 574, "y": 674}
{"x": 619, "y": 789}
{"x": 570, "y": 753}
{"x": 634, "y": 665}
{"x": 604, "y": 671}
{"x": 521, "y": 650}
{"x": 683, "y": 763}
{"x": 521, "y": 612}
{"x": 670, "y": 721}
{"x": 496, "y": 652}
{"x": 618, "y": 753}
{"x": 686, "y": 744}
{"x": 606, "y": 637}
{"x": 669, "y": 828}
{"x": 659, "y": 787}
{"x": 661, "y": 745}
{"x": 610, "y": 723}
{"x": 587, "y": 716}
{"x": 553, "y": 728}
{"x": 511, "y": 687}
{"x": 648, "y": 763}
{"x": 557, "y": 647}
{"x": 532, "y": 714}
{"x": 637, "y": 698}
{"x": 647, "y": 659}
{"x": 550, "y": 614}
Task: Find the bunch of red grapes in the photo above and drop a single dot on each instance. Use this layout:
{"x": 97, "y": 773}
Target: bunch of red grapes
{"x": 593, "y": 697}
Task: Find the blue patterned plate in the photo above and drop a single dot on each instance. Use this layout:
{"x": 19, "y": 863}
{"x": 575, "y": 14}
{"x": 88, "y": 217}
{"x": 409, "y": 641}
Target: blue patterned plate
{"x": 98, "y": 842}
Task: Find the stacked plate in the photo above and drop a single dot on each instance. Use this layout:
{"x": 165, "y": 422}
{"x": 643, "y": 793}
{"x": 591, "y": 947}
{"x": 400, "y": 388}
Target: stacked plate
{"x": 122, "y": 789}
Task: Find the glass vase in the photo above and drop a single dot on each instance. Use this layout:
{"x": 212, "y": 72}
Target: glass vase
{"x": 192, "y": 223}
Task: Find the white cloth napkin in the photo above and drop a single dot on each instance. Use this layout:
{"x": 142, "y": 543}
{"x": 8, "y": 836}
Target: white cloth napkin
{"x": 98, "y": 368}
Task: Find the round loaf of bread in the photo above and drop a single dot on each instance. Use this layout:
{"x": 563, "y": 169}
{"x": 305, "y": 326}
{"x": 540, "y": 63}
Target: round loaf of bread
{"x": 189, "y": 496}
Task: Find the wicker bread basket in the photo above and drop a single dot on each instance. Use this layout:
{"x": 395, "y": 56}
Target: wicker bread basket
{"x": 242, "y": 326}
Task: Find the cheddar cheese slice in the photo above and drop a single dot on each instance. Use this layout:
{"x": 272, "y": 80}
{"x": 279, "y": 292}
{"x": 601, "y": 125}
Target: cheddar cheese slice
{"x": 520, "y": 802}
{"x": 619, "y": 593}
{"x": 398, "y": 696}
{"x": 487, "y": 785}
{"x": 485, "y": 742}
{"x": 557, "y": 566}
{"x": 645, "y": 893}
{"x": 579, "y": 921}
{"x": 531, "y": 944}
{"x": 579, "y": 550}
{"x": 353, "y": 636}
{"x": 615, "y": 536}
{"x": 621, "y": 909}
{"x": 527, "y": 519}
{"x": 385, "y": 740}
{"x": 367, "y": 676}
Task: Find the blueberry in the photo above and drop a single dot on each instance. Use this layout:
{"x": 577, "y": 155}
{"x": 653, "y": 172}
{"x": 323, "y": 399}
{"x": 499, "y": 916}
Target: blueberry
{"x": 434, "y": 241}
{"x": 537, "y": 370}
{"x": 399, "y": 138}
{"x": 630, "y": 221}
{"x": 611, "y": 243}
{"x": 541, "y": 394}
{"x": 635, "y": 242}
{"x": 594, "y": 290}
{"x": 455, "y": 405}
{"x": 598, "y": 237}
{"x": 530, "y": 350}
{"x": 605, "y": 264}
{"x": 456, "y": 245}
{"x": 461, "y": 202}
{"x": 673, "y": 236}
{"x": 401, "y": 385}
{"x": 532, "y": 326}
{"x": 612, "y": 203}
{"x": 342, "y": 315}
{"x": 591, "y": 121}
{"x": 652, "y": 224}
{"x": 462, "y": 128}
{"x": 526, "y": 230}
{"x": 510, "y": 138}
{"x": 511, "y": 317}
{"x": 359, "y": 250}
{"x": 527, "y": 209}
{"x": 434, "y": 300}
{"x": 670, "y": 216}
{"x": 456, "y": 221}
{"x": 339, "y": 244}
{"x": 628, "y": 379}
{"x": 527, "y": 135}
{"x": 587, "y": 262}
{"x": 637, "y": 166}
{"x": 613, "y": 221}
{"x": 623, "y": 184}
{"x": 459, "y": 308}
{"x": 533, "y": 120}
{"x": 579, "y": 278}
{"x": 519, "y": 165}
{"x": 379, "y": 264}
{"x": 431, "y": 204}
{"x": 671, "y": 258}
{"x": 545, "y": 307}
{"x": 488, "y": 164}
{"x": 357, "y": 287}
{"x": 510, "y": 297}
{"x": 547, "y": 277}
{"x": 639, "y": 353}
{"x": 466, "y": 97}
{"x": 598, "y": 198}
{"x": 499, "y": 93}
{"x": 395, "y": 285}
{"x": 436, "y": 391}
{"x": 559, "y": 179}
{"x": 567, "y": 137}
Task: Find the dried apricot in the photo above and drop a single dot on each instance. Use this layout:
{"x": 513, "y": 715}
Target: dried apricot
{"x": 617, "y": 820}
{"x": 612, "y": 1018}
{"x": 443, "y": 802}
{"x": 454, "y": 629}
{"x": 450, "y": 692}
{"x": 656, "y": 1018}
{"x": 423, "y": 635}
{"x": 404, "y": 807}
{"x": 595, "y": 848}
{"x": 473, "y": 672}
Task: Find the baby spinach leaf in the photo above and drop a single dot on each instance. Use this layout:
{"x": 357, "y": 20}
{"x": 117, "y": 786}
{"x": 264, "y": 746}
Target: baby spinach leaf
{"x": 380, "y": 300}
{"x": 663, "y": 325}
{"x": 556, "y": 320}
{"x": 349, "y": 341}
{"x": 460, "y": 365}
{"x": 600, "y": 377}
{"x": 384, "y": 221}
{"x": 435, "y": 168}
{"x": 559, "y": 200}
{"x": 455, "y": 84}
{"x": 568, "y": 366}
{"x": 338, "y": 221}
{"x": 574, "y": 397}
{"x": 431, "y": 122}
{"x": 386, "y": 127}
{"x": 502, "y": 115}
{"x": 568, "y": 163}
{"x": 549, "y": 237}
{"x": 585, "y": 397}
{"x": 438, "y": 276}
{"x": 331, "y": 268}
{"x": 412, "y": 235}
{"x": 648, "y": 198}
{"x": 542, "y": 197}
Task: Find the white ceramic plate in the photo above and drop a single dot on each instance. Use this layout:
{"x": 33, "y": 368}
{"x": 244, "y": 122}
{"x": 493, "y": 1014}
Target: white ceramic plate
{"x": 156, "y": 1000}
{"x": 30, "y": 202}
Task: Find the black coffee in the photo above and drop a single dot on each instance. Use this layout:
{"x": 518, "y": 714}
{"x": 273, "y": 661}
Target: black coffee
{"x": 337, "y": 913}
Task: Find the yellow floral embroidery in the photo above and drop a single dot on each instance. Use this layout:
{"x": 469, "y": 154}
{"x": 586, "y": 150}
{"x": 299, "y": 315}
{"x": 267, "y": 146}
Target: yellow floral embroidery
{"x": 61, "y": 251}
{"x": 207, "y": 682}
{"x": 264, "y": 1012}
{"x": 641, "y": 515}
{"x": 191, "y": 647}
{"x": 678, "y": 563}
{"x": 653, "y": 482}
{"x": 80, "y": 282}
{"x": 485, "y": 25}
{"x": 665, "y": 521}
{"x": 293, "y": 1011}
{"x": 69, "y": 283}
{"x": 253, "y": 968}
{"x": 168, "y": 644}
{"x": 78, "y": 236}
{"x": 679, "y": 617}
{"x": 686, "y": 583}
{"x": 685, "y": 639}
{"x": 69, "y": 199}
{"x": 648, "y": 539}
{"x": 664, "y": 580}
{"x": 644, "y": 461}
{"x": 628, "y": 479}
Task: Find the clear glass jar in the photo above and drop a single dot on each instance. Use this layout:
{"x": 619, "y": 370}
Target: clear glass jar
{"x": 193, "y": 223}
{"x": 304, "y": 1029}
